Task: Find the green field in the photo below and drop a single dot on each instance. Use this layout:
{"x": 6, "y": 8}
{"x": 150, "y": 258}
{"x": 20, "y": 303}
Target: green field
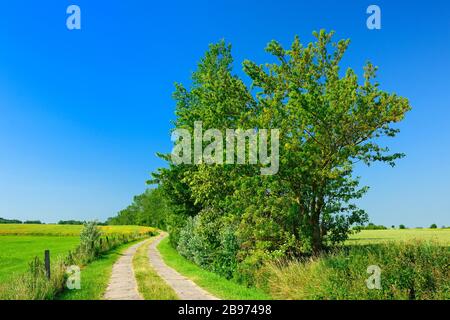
{"x": 17, "y": 251}
{"x": 379, "y": 236}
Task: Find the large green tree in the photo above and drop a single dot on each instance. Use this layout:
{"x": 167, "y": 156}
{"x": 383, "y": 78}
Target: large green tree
{"x": 329, "y": 120}
{"x": 328, "y": 123}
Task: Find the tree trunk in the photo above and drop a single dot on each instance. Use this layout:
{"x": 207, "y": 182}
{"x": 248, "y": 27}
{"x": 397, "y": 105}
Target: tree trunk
{"x": 316, "y": 235}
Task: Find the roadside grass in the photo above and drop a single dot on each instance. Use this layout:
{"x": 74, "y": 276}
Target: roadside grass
{"x": 150, "y": 285}
{"x": 380, "y": 236}
{"x": 95, "y": 276}
{"x": 415, "y": 270}
{"x": 65, "y": 230}
{"x": 16, "y": 252}
{"x": 213, "y": 283}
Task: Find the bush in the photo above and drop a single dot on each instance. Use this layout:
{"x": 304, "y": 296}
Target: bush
{"x": 414, "y": 270}
{"x": 372, "y": 226}
{"x": 89, "y": 240}
{"x": 433, "y": 226}
{"x": 402, "y": 226}
{"x": 210, "y": 243}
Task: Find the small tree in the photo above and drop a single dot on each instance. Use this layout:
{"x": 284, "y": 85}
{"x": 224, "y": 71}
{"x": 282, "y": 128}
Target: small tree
{"x": 402, "y": 226}
{"x": 433, "y": 226}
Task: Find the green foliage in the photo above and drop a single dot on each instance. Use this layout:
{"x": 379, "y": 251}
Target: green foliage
{"x": 210, "y": 243}
{"x": 372, "y": 226}
{"x": 9, "y": 221}
{"x": 408, "y": 271}
{"x": 433, "y": 226}
{"x": 32, "y": 222}
{"x": 148, "y": 209}
{"x": 71, "y": 222}
{"x": 328, "y": 122}
{"x": 89, "y": 240}
{"x": 402, "y": 226}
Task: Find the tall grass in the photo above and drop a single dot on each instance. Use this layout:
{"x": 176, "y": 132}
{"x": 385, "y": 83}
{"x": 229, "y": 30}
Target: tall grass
{"x": 409, "y": 270}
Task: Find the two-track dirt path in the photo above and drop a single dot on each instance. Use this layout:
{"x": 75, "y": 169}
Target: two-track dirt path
{"x": 185, "y": 288}
{"x": 123, "y": 286}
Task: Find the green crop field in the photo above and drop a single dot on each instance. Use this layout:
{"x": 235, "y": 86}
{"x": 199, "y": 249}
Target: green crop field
{"x": 17, "y": 251}
{"x": 64, "y": 230}
{"x": 378, "y": 236}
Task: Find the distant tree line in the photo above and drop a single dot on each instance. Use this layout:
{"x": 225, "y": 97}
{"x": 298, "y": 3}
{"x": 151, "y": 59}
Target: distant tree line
{"x": 72, "y": 222}
{"x": 148, "y": 209}
{"x": 4, "y": 221}
{"x": 15, "y": 221}
{"x": 63, "y": 222}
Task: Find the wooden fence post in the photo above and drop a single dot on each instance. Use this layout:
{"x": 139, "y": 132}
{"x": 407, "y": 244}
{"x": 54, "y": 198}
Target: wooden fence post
{"x": 47, "y": 263}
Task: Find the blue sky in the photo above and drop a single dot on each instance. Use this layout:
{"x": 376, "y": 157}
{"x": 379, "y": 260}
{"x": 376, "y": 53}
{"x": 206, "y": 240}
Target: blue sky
{"x": 83, "y": 112}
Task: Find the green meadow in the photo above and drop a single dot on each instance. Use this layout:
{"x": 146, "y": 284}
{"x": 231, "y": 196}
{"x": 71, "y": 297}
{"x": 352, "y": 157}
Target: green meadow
{"x": 17, "y": 251}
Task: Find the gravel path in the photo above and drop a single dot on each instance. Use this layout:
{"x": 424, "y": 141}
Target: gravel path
{"x": 184, "y": 288}
{"x": 122, "y": 285}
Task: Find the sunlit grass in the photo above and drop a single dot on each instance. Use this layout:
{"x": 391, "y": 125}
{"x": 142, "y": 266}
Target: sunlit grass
{"x": 150, "y": 285}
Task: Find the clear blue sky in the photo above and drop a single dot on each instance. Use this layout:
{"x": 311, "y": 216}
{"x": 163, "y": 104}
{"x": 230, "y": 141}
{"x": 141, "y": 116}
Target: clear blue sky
{"x": 82, "y": 113}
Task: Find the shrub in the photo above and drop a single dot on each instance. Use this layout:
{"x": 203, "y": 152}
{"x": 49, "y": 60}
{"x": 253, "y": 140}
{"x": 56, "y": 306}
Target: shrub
{"x": 210, "y": 243}
{"x": 402, "y": 226}
{"x": 414, "y": 270}
{"x": 372, "y": 226}
{"x": 89, "y": 240}
{"x": 433, "y": 226}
